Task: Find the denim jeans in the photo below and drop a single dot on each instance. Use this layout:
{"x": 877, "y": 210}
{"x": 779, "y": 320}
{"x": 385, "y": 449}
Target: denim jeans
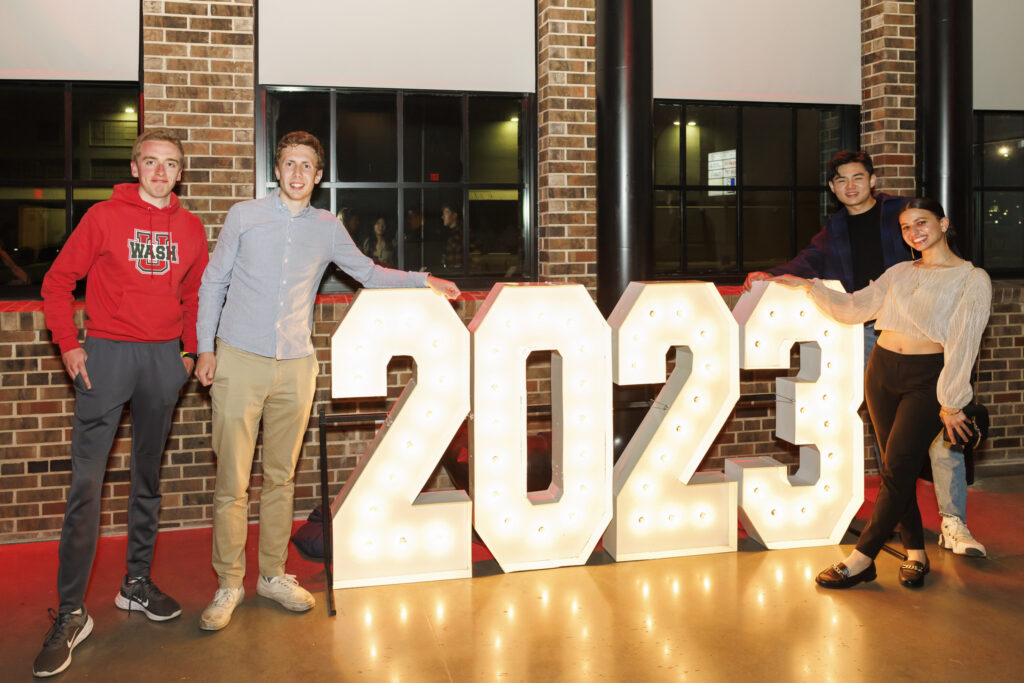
{"x": 950, "y": 478}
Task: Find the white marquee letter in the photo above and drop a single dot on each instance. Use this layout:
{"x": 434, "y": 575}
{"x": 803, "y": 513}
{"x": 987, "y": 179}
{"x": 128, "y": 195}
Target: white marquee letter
{"x": 385, "y": 530}
{"x": 559, "y": 526}
{"x": 818, "y": 408}
{"x": 663, "y": 509}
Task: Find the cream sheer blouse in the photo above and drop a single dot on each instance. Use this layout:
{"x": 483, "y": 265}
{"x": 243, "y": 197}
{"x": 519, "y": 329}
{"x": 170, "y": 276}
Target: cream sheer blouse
{"x": 949, "y": 306}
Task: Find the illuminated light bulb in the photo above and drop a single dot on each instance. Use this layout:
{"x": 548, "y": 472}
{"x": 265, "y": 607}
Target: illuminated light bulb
{"x": 802, "y": 313}
{"x": 703, "y": 333}
{"x": 640, "y": 520}
{"x": 402, "y": 541}
{"x": 672, "y": 518}
{"x": 773, "y": 512}
{"x": 583, "y": 383}
{"x": 495, "y": 350}
{"x": 569, "y": 322}
{"x": 757, "y": 490}
{"x": 703, "y": 515}
{"x": 373, "y": 508}
{"x": 826, "y": 425}
{"x": 408, "y": 444}
{"x": 435, "y": 343}
{"x": 428, "y": 413}
{"x": 494, "y": 458}
{"x": 828, "y": 365}
{"x": 663, "y": 457}
{"x": 802, "y": 410}
{"x": 824, "y": 397}
{"x": 830, "y": 455}
{"x": 441, "y": 379}
{"x": 633, "y": 365}
{"x": 391, "y": 477}
{"x": 494, "y": 387}
{"x": 357, "y": 379}
{"x": 507, "y": 520}
{"x": 582, "y": 455}
{"x": 508, "y": 323}
{"x": 825, "y": 333}
{"x": 646, "y": 488}
{"x": 827, "y": 488}
{"x": 636, "y": 337}
{"x": 572, "y": 516}
{"x": 359, "y": 347}
{"x": 757, "y": 344}
{"x": 651, "y": 313}
{"x": 540, "y": 530}
{"x": 495, "y": 493}
{"x": 803, "y": 511}
{"x": 583, "y": 488}
{"x": 771, "y": 314}
{"x": 378, "y": 322}
{"x": 696, "y": 399}
{"x": 707, "y": 367}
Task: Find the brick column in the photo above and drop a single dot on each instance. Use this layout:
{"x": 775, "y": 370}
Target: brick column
{"x": 889, "y": 107}
{"x": 198, "y": 80}
{"x": 566, "y": 142}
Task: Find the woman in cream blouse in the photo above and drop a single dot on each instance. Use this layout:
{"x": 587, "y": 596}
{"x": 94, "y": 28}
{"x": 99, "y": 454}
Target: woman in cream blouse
{"x": 931, "y": 313}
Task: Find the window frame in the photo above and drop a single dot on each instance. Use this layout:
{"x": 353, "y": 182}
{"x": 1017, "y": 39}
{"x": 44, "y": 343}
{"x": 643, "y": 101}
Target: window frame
{"x": 528, "y": 181}
{"x": 68, "y": 183}
{"x": 849, "y": 135}
{"x": 974, "y": 235}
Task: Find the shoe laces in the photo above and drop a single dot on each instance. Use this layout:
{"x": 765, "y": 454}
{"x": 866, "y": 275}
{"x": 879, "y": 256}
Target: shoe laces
{"x": 223, "y": 597}
{"x": 60, "y": 624}
{"x": 285, "y": 579}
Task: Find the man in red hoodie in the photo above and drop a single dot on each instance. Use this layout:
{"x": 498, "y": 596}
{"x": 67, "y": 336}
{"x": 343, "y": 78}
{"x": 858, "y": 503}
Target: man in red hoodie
{"x": 144, "y": 256}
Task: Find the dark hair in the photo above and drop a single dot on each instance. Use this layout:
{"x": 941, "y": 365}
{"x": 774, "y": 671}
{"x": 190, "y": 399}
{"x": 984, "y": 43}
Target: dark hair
{"x": 300, "y": 137}
{"x": 847, "y": 157}
{"x": 933, "y": 207}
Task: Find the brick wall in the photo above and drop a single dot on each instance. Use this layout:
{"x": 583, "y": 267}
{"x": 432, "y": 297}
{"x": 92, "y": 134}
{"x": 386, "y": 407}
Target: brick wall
{"x": 36, "y": 404}
{"x": 888, "y": 106}
{"x": 198, "y": 80}
{"x": 566, "y": 142}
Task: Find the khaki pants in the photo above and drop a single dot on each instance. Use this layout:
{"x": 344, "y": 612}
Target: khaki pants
{"x": 248, "y": 387}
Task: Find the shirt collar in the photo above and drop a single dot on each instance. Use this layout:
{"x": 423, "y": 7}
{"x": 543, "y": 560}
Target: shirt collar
{"x": 279, "y": 204}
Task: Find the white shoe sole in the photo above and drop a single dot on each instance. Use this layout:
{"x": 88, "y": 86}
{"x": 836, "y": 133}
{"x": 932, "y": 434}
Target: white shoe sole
{"x": 127, "y": 605}
{"x": 965, "y": 550}
{"x": 288, "y": 604}
{"x": 82, "y": 635}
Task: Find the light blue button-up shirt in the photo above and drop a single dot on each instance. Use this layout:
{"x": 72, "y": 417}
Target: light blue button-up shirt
{"x": 263, "y": 275}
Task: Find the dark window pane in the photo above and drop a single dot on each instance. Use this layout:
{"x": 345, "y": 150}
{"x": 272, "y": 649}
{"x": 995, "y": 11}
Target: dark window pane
{"x": 494, "y": 139}
{"x": 433, "y": 126}
{"x": 812, "y": 212}
{"x": 710, "y": 230}
{"x": 105, "y": 123}
{"x": 668, "y": 125}
{"x": 495, "y": 225}
{"x": 32, "y": 132}
{"x": 358, "y": 210}
{"x": 1002, "y": 226}
{"x": 818, "y": 139}
{"x": 666, "y": 231}
{"x": 292, "y": 111}
{"x": 32, "y": 229}
{"x": 367, "y": 138}
{"x": 710, "y": 130}
{"x": 435, "y": 244}
{"x": 767, "y": 216}
{"x": 1003, "y": 150}
{"x": 767, "y": 145}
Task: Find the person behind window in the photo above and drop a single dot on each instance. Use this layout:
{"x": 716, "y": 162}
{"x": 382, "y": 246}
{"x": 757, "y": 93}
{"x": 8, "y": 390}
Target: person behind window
{"x": 144, "y": 256}
{"x": 379, "y": 246}
{"x": 931, "y": 314}
{"x": 257, "y": 299}
{"x": 451, "y": 231}
{"x": 857, "y": 244}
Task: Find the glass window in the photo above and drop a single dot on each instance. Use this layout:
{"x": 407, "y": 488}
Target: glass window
{"x": 424, "y": 181}
{"x": 739, "y": 187}
{"x": 291, "y": 111}
{"x": 998, "y": 244}
{"x": 61, "y": 150}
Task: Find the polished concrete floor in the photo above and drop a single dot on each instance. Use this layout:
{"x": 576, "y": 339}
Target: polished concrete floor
{"x": 751, "y": 615}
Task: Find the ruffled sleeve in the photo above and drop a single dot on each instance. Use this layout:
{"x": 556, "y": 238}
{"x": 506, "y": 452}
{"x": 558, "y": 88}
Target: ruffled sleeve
{"x": 859, "y": 307}
{"x": 963, "y": 337}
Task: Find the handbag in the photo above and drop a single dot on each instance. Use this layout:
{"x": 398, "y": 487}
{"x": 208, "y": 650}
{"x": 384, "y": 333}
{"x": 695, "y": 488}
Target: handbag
{"x": 978, "y": 421}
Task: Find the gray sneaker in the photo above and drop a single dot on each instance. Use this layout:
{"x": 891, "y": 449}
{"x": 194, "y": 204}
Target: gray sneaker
{"x": 955, "y": 535}
{"x": 286, "y": 590}
{"x": 140, "y": 594}
{"x": 68, "y": 630}
{"x": 218, "y": 613}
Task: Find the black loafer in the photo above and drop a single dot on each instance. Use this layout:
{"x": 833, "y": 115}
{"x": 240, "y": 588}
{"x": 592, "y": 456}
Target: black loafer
{"x": 838, "y": 576}
{"x": 912, "y": 573}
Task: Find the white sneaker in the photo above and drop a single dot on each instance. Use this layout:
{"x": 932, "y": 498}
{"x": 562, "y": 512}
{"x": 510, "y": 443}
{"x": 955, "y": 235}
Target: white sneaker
{"x": 286, "y": 590}
{"x": 218, "y": 613}
{"x": 955, "y": 535}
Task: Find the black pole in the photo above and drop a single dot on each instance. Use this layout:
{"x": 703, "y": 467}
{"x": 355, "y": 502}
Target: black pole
{"x": 625, "y": 172}
{"x": 946, "y": 107}
{"x": 625, "y": 107}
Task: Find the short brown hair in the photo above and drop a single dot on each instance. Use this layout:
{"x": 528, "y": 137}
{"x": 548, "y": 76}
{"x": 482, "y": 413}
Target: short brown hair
{"x": 161, "y": 134}
{"x": 300, "y": 137}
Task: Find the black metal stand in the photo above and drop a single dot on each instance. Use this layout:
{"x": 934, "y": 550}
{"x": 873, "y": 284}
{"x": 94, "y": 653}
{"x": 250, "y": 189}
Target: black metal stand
{"x": 887, "y": 548}
{"x": 325, "y": 502}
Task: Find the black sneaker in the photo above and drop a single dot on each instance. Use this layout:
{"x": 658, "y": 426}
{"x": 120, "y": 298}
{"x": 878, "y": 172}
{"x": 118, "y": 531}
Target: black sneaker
{"x": 141, "y": 594}
{"x": 67, "y": 632}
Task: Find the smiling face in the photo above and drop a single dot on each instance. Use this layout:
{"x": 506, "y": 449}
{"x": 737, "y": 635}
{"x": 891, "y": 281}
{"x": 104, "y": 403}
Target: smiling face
{"x": 922, "y": 229}
{"x": 297, "y": 174}
{"x": 853, "y": 187}
{"x": 379, "y": 227}
{"x": 158, "y": 169}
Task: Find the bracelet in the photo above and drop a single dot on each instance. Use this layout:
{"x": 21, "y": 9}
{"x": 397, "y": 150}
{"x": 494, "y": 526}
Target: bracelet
{"x": 943, "y": 411}
{"x": 189, "y": 354}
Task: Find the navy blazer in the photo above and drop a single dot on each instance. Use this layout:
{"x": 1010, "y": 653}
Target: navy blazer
{"x": 829, "y": 255}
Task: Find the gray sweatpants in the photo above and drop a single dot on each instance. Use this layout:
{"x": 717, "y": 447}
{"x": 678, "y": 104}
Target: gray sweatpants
{"x": 147, "y": 377}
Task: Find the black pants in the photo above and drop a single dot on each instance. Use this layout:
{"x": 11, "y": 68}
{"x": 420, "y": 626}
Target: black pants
{"x": 147, "y": 377}
{"x": 904, "y": 411}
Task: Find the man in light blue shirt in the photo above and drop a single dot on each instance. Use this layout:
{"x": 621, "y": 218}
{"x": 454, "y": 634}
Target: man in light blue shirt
{"x": 257, "y": 299}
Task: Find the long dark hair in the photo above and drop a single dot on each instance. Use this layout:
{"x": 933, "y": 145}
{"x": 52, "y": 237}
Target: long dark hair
{"x": 933, "y": 207}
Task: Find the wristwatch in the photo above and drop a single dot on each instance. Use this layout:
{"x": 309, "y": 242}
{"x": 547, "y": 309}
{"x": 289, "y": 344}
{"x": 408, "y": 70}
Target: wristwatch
{"x": 189, "y": 354}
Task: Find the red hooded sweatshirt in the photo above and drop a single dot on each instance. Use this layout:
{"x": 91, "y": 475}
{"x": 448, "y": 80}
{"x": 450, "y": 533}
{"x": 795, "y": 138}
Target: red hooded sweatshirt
{"x": 144, "y": 266}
